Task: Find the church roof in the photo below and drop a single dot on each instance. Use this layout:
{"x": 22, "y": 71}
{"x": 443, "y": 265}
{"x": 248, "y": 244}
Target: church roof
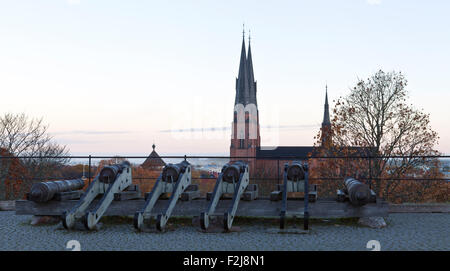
{"x": 299, "y": 152}
{"x": 153, "y": 160}
{"x": 302, "y": 152}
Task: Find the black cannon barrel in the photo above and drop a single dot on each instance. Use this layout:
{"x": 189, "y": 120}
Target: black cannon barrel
{"x": 296, "y": 171}
{"x": 45, "y": 191}
{"x": 171, "y": 172}
{"x": 109, "y": 173}
{"x": 358, "y": 193}
{"x": 233, "y": 171}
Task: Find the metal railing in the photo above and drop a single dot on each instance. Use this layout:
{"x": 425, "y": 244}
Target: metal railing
{"x": 270, "y": 178}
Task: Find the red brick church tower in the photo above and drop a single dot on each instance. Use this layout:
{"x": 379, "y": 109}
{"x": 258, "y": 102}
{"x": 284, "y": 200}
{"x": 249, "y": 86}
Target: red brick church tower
{"x": 245, "y": 144}
{"x": 245, "y": 139}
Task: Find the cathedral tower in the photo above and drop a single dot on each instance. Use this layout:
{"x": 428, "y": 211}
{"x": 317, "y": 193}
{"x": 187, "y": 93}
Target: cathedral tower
{"x": 245, "y": 129}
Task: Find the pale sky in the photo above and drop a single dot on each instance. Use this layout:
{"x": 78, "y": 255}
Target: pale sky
{"x": 112, "y": 77}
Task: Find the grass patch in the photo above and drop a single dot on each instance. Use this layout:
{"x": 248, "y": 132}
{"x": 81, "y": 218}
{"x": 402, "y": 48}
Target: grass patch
{"x": 176, "y": 222}
{"x": 238, "y": 221}
{"x": 423, "y": 203}
{"x": 250, "y": 221}
{"x": 116, "y": 220}
{"x": 44, "y": 221}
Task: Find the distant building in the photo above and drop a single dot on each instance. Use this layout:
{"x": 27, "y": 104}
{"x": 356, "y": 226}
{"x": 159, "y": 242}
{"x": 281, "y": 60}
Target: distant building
{"x": 153, "y": 161}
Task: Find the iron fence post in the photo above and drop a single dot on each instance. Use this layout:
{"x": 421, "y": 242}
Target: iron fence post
{"x": 305, "y": 201}
{"x": 89, "y": 169}
{"x": 278, "y": 171}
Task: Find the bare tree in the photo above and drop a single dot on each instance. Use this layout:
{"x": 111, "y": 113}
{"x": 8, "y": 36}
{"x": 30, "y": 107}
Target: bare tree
{"x": 375, "y": 115}
{"x": 38, "y": 154}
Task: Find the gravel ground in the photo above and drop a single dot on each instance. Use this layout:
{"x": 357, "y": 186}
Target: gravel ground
{"x": 404, "y": 232}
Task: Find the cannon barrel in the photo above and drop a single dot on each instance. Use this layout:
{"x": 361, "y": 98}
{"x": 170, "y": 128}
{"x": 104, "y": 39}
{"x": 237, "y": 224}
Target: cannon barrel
{"x": 109, "y": 173}
{"x": 358, "y": 193}
{"x": 232, "y": 171}
{"x": 296, "y": 171}
{"x": 45, "y": 191}
{"x": 171, "y": 172}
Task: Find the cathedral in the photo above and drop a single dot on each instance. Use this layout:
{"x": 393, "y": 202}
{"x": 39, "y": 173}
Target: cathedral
{"x": 246, "y": 140}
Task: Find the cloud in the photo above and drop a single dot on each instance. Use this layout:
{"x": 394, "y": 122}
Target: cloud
{"x": 73, "y": 2}
{"x": 210, "y": 129}
{"x": 70, "y": 141}
{"x": 87, "y": 132}
{"x": 217, "y": 129}
{"x": 373, "y": 2}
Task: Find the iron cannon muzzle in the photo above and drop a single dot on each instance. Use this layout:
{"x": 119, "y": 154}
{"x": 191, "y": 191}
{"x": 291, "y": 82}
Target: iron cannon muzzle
{"x": 109, "y": 173}
{"x": 296, "y": 171}
{"x": 233, "y": 171}
{"x": 358, "y": 193}
{"x": 45, "y": 191}
{"x": 171, "y": 172}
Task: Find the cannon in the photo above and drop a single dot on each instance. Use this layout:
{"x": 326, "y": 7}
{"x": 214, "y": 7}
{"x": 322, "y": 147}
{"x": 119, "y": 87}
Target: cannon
{"x": 231, "y": 172}
{"x": 295, "y": 175}
{"x": 46, "y": 191}
{"x": 356, "y": 192}
{"x": 233, "y": 179}
{"x": 111, "y": 180}
{"x": 296, "y": 172}
{"x": 174, "y": 179}
{"x": 171, "y": 172}
{"x": 109, "y": 173}
{"x": 295, "y": 179}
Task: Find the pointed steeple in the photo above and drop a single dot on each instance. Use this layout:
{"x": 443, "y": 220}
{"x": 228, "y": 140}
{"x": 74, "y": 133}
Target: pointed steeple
{"x": 326, "y": 113}
{"x": 242, "y": 92}
{"x": 251, "y": 77}
{"x": 249, "y": 61}
{"x": 326, "y": 133}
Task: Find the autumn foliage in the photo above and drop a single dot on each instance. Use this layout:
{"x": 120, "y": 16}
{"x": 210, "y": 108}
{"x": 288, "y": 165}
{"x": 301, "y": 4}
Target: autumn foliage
{"x": 11, "y": 171}
{"x": 386, "y": 143}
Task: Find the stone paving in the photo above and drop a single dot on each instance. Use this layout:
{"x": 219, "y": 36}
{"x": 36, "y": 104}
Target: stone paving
{"x": 404, "y": 232}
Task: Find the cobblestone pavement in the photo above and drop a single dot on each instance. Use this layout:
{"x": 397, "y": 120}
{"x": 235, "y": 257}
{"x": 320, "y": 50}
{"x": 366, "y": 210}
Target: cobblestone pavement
{"x": 404, "y": 232}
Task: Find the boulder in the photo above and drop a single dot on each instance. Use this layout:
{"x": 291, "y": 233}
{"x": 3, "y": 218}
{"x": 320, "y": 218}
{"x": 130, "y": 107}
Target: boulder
{"x": 372, "y": 222}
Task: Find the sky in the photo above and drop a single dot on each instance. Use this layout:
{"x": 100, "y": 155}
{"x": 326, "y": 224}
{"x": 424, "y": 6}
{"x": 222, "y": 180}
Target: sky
{"x": 114, "y": 77}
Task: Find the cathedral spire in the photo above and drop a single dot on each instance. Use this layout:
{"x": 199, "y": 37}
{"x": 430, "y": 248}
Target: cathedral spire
{"x": 242, "y": 80}
{"x": 250, "y": 62}
{"x": 326, "y": 113}
{"x": 251, "y": 76}
{"x": 326, "y": 134}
